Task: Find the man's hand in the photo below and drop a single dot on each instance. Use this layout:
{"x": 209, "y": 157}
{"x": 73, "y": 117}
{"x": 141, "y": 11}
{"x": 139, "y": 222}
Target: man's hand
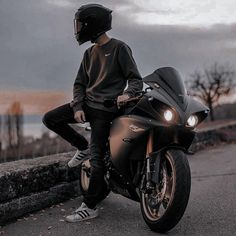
{"x": 121, "y": 100}
{"x": 79, "y": 116}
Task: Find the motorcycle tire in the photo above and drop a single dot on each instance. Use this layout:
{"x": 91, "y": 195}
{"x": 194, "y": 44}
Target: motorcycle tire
{"x": 84, "y": 175}
{"x": 174, "y": 189}
{"x": 85, "y": 168}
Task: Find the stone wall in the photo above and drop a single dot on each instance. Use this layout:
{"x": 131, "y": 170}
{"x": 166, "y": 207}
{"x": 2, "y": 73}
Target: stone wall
{"x": 211, "y": 136}
{"x": 29, "y": 185}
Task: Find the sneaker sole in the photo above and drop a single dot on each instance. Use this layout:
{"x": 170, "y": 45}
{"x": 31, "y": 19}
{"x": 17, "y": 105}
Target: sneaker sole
{"x": 79, "y": 220}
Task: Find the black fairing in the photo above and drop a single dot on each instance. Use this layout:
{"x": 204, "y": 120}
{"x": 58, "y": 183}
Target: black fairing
{"x": 168, "y": 92}
{"x": 170, "y": 80}
{"x": 130, "y": 133}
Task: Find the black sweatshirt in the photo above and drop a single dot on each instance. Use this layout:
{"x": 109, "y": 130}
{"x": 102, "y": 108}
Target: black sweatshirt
{"x": 103, "y": 74}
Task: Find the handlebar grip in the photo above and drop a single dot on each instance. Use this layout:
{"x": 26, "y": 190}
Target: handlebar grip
{"x": 112, "y": 102}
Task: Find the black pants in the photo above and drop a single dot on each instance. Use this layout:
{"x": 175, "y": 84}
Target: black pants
{"x": 58, "y": 119}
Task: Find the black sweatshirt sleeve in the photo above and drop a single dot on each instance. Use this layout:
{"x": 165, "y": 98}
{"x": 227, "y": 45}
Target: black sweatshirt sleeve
{"x": 130, "y": 71}
{"x": 79, "y": 87}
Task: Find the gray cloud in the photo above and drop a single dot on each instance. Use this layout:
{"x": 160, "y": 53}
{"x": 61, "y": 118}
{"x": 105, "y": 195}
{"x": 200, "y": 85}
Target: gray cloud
{"x": 38, "y": 50}
{"x": 181, "y": 47}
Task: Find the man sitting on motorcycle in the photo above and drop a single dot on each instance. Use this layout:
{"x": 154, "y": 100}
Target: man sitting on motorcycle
{"x": 106, "y": 68}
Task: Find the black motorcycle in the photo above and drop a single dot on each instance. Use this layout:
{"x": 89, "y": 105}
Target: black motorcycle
{"x": 146, "y": 159}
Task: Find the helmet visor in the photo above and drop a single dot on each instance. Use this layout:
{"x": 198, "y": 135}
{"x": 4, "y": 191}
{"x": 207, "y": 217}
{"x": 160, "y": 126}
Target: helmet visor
{"x": 77, "y": 26}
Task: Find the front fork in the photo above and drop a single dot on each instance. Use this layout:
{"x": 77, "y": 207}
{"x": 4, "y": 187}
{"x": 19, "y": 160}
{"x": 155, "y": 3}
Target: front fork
{"x": 151, "y": 172}
{"x": 149, "y": 186}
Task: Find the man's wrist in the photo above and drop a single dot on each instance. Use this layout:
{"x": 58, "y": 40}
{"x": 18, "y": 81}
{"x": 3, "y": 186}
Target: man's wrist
{"x": 77, "y": 107}
{"x": 128, "y": 94}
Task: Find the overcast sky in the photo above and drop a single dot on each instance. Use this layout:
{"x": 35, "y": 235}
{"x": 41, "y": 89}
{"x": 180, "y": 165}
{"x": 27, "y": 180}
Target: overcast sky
{"x": 38, "y": 49}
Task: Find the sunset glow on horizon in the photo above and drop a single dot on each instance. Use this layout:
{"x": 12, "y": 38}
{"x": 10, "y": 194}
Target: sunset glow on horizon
{"x": 34, "y": 102}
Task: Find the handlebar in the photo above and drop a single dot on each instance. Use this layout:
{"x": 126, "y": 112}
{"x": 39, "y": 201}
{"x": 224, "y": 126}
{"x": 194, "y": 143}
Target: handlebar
{"x": 112, "y": 102}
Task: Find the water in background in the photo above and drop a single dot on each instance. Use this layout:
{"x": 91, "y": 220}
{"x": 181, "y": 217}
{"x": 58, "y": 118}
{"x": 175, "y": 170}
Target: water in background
{"x": 33, "y": 126}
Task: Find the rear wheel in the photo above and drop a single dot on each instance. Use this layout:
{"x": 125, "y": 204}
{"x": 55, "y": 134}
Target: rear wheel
{"x": 85, "y": 173}
{"x": 163, "y": 207}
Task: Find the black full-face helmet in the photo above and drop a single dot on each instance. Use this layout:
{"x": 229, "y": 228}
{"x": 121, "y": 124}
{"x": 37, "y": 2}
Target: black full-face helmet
{"x": 91, "y": 21}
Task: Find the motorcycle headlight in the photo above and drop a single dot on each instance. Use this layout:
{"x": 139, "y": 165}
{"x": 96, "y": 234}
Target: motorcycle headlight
{"x": 168, "y": 115}
{"x": 192, "y": 121}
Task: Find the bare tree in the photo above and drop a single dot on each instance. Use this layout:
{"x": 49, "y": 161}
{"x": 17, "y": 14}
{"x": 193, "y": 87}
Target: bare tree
{"x": 8, "y": 126}
{"x": 211, "y": 84}
{"x": 14, "y": 125}
{"x": 1, "y": 135}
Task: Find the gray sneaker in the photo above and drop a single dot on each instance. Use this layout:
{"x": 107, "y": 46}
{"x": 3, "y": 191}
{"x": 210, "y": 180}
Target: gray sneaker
{"x": 78, "y": 158}
{"x": 82, "y": 213}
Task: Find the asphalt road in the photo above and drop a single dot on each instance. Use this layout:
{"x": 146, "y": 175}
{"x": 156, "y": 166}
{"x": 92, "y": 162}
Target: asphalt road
{"x": 211, "y": 209}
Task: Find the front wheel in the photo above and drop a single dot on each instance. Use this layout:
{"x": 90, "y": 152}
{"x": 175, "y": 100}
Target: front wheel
{"x": 163, "y": 207}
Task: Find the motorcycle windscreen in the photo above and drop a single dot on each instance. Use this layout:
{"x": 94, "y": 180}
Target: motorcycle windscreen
{"x": 170, "y": 80}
